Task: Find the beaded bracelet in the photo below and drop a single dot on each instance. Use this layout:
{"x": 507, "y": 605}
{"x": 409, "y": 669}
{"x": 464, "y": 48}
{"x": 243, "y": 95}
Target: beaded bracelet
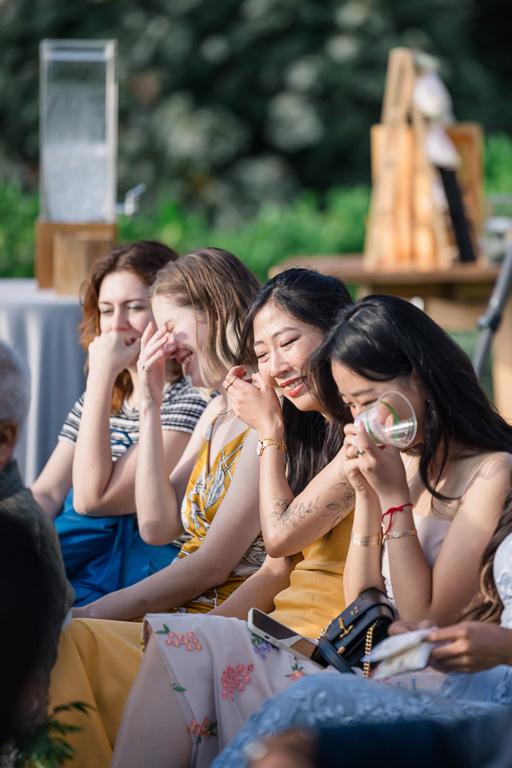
{"x": 391, "y": 511}
{"x": 373, "y": 540}
{"x": 399, "y": 535}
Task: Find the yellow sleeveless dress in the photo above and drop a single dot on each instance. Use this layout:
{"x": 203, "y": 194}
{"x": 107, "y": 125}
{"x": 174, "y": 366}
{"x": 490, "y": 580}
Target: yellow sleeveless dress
{"x": 315, "y": 595}
{"x": 206, "y": 489}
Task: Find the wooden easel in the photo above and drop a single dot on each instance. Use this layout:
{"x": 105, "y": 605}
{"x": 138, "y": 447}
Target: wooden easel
{"x": 406, "y": 230}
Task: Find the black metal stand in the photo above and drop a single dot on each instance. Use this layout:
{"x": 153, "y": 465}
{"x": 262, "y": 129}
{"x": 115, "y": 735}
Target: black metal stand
{"x": 458, "y": 216}
{"x": 489, "y": 322}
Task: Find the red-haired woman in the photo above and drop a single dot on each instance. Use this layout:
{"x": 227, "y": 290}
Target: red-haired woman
{"x": 92, "y": 469}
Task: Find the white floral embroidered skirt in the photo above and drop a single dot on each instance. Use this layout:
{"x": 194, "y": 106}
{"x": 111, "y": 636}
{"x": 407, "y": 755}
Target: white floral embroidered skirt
{"x": 221, "y": 673}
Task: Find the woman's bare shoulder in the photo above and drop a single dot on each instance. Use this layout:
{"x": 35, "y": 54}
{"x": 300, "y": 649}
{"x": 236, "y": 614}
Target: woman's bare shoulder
{"x": 488, "y": 464}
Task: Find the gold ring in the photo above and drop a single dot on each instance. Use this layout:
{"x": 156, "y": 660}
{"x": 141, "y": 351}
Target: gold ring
{"x": 359, "y": 453}
{"x": 230, "y": 383}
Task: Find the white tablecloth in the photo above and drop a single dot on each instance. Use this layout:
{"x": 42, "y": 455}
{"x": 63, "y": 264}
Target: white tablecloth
{"x": 42, "y": 327}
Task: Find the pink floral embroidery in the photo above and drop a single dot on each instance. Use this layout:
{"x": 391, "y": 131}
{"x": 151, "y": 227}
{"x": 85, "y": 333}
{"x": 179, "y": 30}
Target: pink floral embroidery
{"x": 202, "y": 730}
{"x": 297, "y": 672}
{"x": 190, "y": 641}
{"x": 235, "y": 679}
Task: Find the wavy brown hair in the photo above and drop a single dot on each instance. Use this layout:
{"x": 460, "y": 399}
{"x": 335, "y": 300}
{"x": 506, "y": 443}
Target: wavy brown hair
{"x": 487, "y": 605}
{"x": 144, "y": 258}
{"x": 215, "y": 282}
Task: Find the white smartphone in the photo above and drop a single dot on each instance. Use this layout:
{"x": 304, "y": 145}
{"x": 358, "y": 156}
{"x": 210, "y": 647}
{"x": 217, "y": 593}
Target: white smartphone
{"x": 283, "y": 637}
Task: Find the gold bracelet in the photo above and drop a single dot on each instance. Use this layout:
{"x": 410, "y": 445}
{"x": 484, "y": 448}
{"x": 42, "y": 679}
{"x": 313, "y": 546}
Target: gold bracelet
{"x": 400, "y": 535}
{"x": 262, "y": 444}
{"x": 373, "y": 540}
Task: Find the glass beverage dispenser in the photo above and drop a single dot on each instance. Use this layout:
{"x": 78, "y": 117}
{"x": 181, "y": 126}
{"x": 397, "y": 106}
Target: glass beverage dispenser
{"x": 78, "y": 131}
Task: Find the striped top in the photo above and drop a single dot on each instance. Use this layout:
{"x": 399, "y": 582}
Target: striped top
{"x": 182, "y": 405}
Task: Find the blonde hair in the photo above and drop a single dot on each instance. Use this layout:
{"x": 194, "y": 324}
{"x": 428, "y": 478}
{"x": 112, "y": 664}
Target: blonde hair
{"x": 214, "y": 282}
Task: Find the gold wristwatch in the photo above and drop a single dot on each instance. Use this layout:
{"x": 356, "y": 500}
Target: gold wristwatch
{"x": 262, "y": 444}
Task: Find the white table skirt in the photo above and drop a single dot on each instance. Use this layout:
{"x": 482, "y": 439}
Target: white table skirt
{"x": 42, "y": 327}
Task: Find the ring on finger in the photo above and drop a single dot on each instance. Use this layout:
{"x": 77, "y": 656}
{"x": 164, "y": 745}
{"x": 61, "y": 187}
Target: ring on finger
{"x": 230, "y": 383}
{"x": 359, "y": 453}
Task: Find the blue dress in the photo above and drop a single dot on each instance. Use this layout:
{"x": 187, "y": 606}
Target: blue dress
{"x": 104, "y": 554}
{"x": 328, "y": 699}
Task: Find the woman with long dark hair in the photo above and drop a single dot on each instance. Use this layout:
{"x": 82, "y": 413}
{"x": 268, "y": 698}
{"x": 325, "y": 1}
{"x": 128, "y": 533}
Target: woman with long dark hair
{"x": 447, "y": 489}
{"x": 315, "y": 300}
{"x": 423, "y": 526}
{"x": 457, "y": 507}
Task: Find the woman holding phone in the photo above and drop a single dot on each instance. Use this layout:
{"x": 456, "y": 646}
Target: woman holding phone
{"x": 305, "y": 506}
{"x": 456, "y": 473}
{"x": 446, "y": 494}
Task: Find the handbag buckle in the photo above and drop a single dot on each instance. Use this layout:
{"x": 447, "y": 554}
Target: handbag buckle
{"x": 344, "y": 630}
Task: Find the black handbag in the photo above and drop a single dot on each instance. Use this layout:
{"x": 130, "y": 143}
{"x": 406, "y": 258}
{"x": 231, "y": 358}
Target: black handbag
{"x": 353, "y": 633}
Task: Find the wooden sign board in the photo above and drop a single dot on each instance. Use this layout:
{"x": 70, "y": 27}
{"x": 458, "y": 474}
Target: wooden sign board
{"x": 412, "y": 244}
{"x": 420, "y": 218}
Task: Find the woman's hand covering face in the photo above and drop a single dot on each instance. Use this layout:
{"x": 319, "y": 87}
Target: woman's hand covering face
{"x": 111, "y": 352}
{"x": 151, "y": 364}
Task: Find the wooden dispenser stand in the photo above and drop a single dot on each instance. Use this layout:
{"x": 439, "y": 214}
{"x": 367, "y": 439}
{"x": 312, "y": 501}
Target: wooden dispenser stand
{"x": 66, "y": 252}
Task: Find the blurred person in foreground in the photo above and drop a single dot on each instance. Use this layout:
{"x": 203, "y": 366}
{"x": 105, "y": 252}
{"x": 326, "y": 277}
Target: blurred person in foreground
{"x": 35, "y": 595}
{"x": 423, "y": 742}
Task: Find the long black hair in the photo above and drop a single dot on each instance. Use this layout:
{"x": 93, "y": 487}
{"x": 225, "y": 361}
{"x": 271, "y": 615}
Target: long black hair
{"x": 384, "y": 337}
{"x": 315, "y": 299}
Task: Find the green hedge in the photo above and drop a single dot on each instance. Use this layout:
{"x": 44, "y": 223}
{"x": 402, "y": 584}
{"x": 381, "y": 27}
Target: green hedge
{"x": 307, "y": 226}
{"x": 311, "y": 224}
{"x": 18, "y": 213}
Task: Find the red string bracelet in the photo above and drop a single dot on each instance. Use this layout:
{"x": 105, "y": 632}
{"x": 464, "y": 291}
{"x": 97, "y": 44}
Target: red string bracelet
{"x": 391, "y": 511}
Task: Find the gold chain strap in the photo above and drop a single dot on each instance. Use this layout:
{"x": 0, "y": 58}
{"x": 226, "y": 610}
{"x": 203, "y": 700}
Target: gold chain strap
{"x": 368, "y": 644}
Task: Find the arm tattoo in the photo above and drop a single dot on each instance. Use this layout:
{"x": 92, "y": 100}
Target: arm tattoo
{"x": 290, "y": 513}
{"x": 346, "y": 501}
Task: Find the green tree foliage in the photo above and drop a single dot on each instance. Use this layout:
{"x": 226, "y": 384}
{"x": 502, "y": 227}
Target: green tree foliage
{"x": 228, "y": 105}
